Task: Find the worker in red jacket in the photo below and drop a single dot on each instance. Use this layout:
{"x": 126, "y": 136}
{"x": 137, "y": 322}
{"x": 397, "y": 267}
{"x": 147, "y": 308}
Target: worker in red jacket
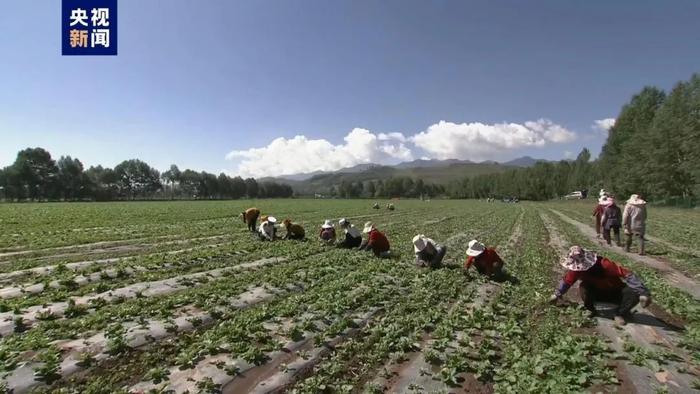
{"x": 376, "y": 241}
{"x": 486, "y": 260}
{"x": 598, "y": 213}
{"x": 602, "y": 280}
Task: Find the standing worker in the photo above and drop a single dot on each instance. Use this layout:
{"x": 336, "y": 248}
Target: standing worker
{"x": 250, "y": 217}
{"x": 598, "y": 213}
{"x": 353, "y": 238}
{"x": 634, "y": 221}
{"x": 428, "y": 252}
{"x": 602, "y": 280}
{"x": 611, "y": 220}
{"x": 327, "y": 233}
{"x": 486, "y": 260}
{"x": 377, "y": 242}
{"x": 294, "y": 231}
{"x": 267, "y": 230}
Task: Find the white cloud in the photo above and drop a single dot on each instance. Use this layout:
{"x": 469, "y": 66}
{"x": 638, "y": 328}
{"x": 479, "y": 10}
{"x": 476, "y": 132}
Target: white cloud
{"x": 302, "y": 155}
{"x": 443, "y": 140}
{"x": 603, "y": 125}
{"x": 478, "y": 141}
{"x": 568, "y": 154}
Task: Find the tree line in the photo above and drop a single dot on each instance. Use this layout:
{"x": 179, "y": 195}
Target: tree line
{"x": 653, "y": 150}
{"x": 36, "y": 176}
{"x": 403, "y": 186}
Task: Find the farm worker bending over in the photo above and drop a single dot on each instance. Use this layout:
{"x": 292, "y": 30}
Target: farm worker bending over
{"x": 250, "y": 217}
{"x": 634, "y": 221}
{"x": 428, "y": 252}
{"x": 598, "y": 213}
{"x": 353, "y": 238}
{"x": 327, "y": 233}
{"x": 375, "y": 206}
{"x": 267, "y": 231}
{"x": 602, "y": 280}
{"x": 294, "y": 231}
{"x": 611, "y": 220}
{"x": 376, "y": 242}
{"x": 486, "y": 260}
{"x": 390, "y": 206}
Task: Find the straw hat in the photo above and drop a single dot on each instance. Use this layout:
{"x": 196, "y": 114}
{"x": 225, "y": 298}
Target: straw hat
{"x": 579, "y": 259}
{"x": 343, "y": 222}
{"x": 475, "y": 248}
{"x": 419, "y": 243}
{"x": 635, "y": 200}
{"x": 368, "y": 227}
{"x": 327, "y": 224}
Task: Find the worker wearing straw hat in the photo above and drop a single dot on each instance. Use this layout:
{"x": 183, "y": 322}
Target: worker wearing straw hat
{"x": 294, "y": 230}
{"x": 428, "y": 252}
{"x": 327, "y": 233}
{"x": 353, "y": 238}
{"x": 598, "y": 213}
{"x": 250, "y": 217}
{"x": 377, "y": 242}
{"x": 486, "y": 260}
{"x": 602, "y": 280}
{"x": 611, "y": 220}
{"x": 267, "y": 230}
{"x": 634, "y": 221}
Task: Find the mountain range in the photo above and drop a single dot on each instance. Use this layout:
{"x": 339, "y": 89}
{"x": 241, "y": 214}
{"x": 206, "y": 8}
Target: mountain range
{"x": 433, "y": 171}
{"x": 525, "y": 161}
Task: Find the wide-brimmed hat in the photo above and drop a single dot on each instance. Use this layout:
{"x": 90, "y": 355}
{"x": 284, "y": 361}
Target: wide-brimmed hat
{"x": 419, "y": 243}
{"x": 343, "y": 222}
{"x": 636, "y": 200}
{"x": 327, "y": 224}
{"x": 606, "y": 201}
{"x": 579, "y": 259}
{"x": 475, "y": 248}
{"x": 368, "y": 227}
{"x": 271, "y": 219}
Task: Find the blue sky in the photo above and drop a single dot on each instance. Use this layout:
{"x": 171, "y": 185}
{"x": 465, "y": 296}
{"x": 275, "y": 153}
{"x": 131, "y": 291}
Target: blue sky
{"x": 197, "y": 80}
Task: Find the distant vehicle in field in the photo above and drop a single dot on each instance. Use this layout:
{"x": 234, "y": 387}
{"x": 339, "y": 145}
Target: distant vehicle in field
{"x": 574, "y": 196}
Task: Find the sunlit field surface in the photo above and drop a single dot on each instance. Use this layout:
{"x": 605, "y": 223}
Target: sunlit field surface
{"x": 179, "y": 296}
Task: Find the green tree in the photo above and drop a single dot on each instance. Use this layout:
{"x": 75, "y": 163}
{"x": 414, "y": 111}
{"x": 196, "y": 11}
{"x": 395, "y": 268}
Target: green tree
{"x": 137, "y": 178}
{"x": 35, "y": 173}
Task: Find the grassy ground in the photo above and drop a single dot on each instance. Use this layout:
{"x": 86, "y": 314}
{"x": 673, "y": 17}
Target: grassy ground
{"x": 317, "y": 319}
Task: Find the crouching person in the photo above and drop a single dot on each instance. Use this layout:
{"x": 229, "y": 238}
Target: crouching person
{"x": 428, "y": 252}
{"x": 250, "y": 218}
{"x": 602, "y": 280}
{"x": 327, "y": 233}
{"x": 486, "y": 260}
{"x": 267, "y": 230}
{"x": 353, "y": 238}
{"x": 377, "y": 242}
{"x": 294, "y": 231}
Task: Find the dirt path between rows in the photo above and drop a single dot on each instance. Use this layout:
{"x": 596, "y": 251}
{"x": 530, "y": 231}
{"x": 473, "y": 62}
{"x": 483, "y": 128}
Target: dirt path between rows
{"x": 672, "y": 275}
{"x": 645, "y": 331}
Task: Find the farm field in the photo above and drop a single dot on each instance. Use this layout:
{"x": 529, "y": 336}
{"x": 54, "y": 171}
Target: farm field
{"x": 179, "y": 297}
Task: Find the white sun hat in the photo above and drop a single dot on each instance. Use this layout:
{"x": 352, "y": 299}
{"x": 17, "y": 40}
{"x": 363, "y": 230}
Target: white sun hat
{"x": 343, "y": 222}
{"x": 368, "y": 227}
{"x": 419, "y": 243}
{"x": 271, "y": 219}
{"x": 327, "y": 224}
{"x": 603, "y": 200}
{"x": 475, "y": 248}
{"x": 579, "y": 259}
{"x": 635, "y": 200}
